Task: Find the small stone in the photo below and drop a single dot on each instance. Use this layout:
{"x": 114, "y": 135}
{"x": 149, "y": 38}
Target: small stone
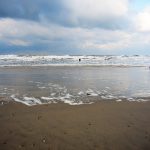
{"x": 39, "y": 117}
{"x": 10, "y": 132}
{"x": 43, "y": 140}
{"x": 4, "y": 142}
{"x": 146, "y": 136}
{"x": 65, "y": 132}
{"x": 88, "y": 94}
{"x": 89, "y": 124}
{"x": 22, "y": 145}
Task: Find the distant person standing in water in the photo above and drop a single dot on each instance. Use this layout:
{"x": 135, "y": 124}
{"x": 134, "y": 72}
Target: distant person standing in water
{"x": 79, "y": 59}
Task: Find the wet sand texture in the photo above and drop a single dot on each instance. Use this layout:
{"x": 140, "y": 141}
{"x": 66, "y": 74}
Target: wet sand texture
{"x": 100, "y": 126}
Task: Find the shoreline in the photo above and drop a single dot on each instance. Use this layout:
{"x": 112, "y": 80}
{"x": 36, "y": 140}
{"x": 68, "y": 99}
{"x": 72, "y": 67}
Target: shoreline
{"x": 5, "y": 100}
{"x": 102, "y": 125}
{"x": 74, "y": 85}
{"x": 71, "y": 65}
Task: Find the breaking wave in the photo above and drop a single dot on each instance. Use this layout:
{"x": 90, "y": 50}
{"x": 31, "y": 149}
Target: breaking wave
{"x": 66, "y": 60}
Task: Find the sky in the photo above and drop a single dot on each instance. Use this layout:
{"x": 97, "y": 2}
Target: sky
{"x": 75, "y": 27}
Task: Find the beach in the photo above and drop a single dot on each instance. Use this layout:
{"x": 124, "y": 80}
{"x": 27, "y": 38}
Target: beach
{"x": 74, "y": 75}
{"x": 74, "y": 108}
{"x": 105, "y": 125}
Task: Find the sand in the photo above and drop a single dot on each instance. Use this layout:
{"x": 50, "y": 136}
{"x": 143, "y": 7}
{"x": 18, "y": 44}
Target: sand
{"x": 99, "y": 126}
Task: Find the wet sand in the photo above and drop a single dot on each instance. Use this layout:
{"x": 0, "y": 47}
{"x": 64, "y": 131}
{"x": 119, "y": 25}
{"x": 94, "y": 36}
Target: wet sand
{"x": 99, "y": 126}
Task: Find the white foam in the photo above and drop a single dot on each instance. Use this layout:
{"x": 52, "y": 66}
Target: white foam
{"x": 81, "y": 93}
{"x": 53, "y": 94}
{"x": 142, "y": 100}
{"x": 47, "y": 98}
{"x": 93, "y": 94}
{"x": 122, "y": 97}
{"x": 52, "y": 60}
{"x": 20, "y": 101}
{"x": 67, "y": 96}
{"x": 119, "y": 100}
{"x": 142, "y": 93}
{"x": 131, "y": 99}
{"x": 110, "y": 97}
{"x": 60, "y": 93}
{"x": 90, "y": 92}
{"x": 32, "y": 100}
{"x": 29, "y": 101}
{"x": 107, "y": 87}
{"x": 41, "y": 87}
{"x": 72, "y": 103}
{"x": 38, "y": 82}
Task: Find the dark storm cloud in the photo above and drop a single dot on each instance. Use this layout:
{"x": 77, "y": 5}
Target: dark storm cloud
{"x": 54, "y": 11}
{"x": 30, "y": 9}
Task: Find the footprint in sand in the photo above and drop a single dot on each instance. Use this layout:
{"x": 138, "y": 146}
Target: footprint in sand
{"x": 39, "y": 117}
{"x": 21, "y": 146}
{"x": 147, "y": 136}
{"x": 33, "y": 145}
{"x": 5, "y": 142}
{"x": 89, "y": 123}
{"x": 10, "y": 132}
{"x": 13, "y": 114}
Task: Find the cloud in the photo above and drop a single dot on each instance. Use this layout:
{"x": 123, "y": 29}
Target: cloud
{"x": 96, "y": 11}
{"x": 28, "y": 9}
{"x": 142, "y": 20}
{"x": 71, "y": 13}
{"x": 25, "y": 32}
{"x": 11, "y": 28}
{"x": 18, "y": 42}
{"x": 111, "y": 41}
{"x": 28, "y": 33}
{"x": 73, "y": 26}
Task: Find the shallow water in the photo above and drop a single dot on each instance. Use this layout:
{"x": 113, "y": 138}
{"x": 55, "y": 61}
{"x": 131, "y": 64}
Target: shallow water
{"x": 74, "y": 85}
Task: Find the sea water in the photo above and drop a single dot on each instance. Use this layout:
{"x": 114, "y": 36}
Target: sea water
{"x": 36, "y": 80}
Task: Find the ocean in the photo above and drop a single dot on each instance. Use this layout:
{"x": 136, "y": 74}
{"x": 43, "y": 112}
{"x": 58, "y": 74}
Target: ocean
{"x": 76, "y": 80}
